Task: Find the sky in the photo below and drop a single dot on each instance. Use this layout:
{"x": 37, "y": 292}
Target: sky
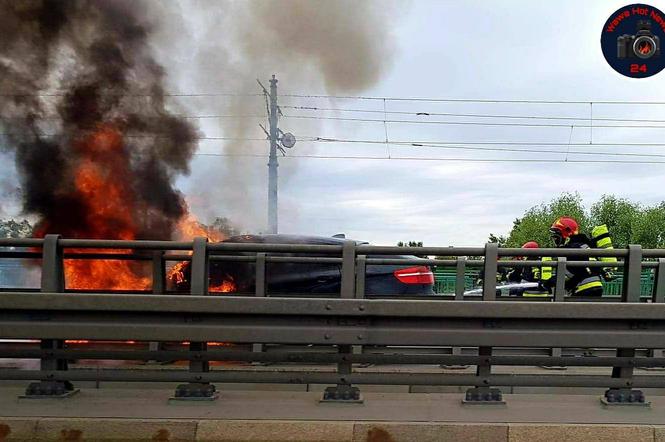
{"x": 482, "y": 49}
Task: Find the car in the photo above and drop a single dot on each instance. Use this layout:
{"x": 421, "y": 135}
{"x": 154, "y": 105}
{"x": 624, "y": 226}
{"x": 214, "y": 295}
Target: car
{"x": 305, "y": 278}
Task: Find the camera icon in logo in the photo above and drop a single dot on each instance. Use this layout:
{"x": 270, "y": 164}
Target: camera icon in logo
{"x": 644, "y": 44}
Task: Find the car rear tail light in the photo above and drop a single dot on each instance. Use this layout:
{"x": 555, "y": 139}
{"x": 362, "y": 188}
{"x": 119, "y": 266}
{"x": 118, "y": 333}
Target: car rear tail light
{"x": 415, "y": 275}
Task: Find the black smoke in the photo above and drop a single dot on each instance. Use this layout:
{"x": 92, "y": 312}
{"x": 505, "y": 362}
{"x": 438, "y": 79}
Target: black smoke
{"x": 69, "y": 68}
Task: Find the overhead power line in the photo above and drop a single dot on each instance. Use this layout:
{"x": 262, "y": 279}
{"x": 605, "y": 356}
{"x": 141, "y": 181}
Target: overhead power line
{"x": 473, "y": 100}
{"x": 473, "y": 123}
{"x": 471, "y": 115}
{"x": 470, "y": 160}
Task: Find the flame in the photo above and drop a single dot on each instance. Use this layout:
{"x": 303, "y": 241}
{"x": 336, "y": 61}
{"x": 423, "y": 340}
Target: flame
{"x": 101, "y": 180}
{"x": 645, "y": 47}
{"x": 226, "y": 286}
{"x": 189, "y": 228}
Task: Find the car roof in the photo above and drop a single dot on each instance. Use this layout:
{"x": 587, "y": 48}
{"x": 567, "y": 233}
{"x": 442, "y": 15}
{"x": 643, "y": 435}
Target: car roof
{"x": 288, "y": 239}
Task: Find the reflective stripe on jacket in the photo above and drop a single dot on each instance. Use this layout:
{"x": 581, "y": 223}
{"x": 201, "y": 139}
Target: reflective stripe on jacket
{"x": 602, "y": 240}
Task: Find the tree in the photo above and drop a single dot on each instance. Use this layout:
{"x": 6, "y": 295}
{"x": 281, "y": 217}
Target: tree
{"x": 10, "y": 228}
{"x": 627, "y": 221}
{"x": 500, "y": 240}
{"x": 620, "y": 216}
{"x": 535, "y": 223}
{"x": 648, "y": 228}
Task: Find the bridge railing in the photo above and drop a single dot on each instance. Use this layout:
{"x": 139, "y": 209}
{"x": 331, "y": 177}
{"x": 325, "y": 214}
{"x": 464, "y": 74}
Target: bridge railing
{"x": 342, "y": 329}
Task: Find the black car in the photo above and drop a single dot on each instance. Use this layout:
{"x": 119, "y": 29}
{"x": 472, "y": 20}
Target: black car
{"x": 307, "y": 278}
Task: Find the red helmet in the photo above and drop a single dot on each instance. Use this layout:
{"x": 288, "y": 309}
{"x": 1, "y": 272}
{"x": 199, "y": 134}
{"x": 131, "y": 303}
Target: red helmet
{"x": 530, "y": 245}
{"x": 563, "y": 228}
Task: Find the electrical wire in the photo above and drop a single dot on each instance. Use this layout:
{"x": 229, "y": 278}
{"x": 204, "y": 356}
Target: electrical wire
{"x": 472, "y": 115}
{"x": 470, "y": 123}
{"x": 470, "y": 160}
{"x": 473, "y": 100}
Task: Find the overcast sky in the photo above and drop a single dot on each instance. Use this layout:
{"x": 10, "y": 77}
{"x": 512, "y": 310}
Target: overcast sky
{"x": 507, "y": 50}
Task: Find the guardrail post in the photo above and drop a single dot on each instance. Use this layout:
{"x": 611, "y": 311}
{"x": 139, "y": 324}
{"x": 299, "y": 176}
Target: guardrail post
{"x": 460, "y": 278}
{"x": 260, "y": 287}
{"x": 460, "y": 287}
{"x": 52, "y": 281}
{"x": 490, "y": 271}
{"x": 658, "y": 296}
{"x": 344, "y": 391}
{"x": 632, "y": 274}
{"x": 361, "y": 268}
{"x": 659, "y": 290}
{"x": 560, "y": 283}
{"x": 483, "y": 393}
{"x": 631, "y": 293}
{"x": 199, "y": 391}
{"x": 348, "y": 269}
{"x": 559, "y": 296}
{"x": 158, "y": 286}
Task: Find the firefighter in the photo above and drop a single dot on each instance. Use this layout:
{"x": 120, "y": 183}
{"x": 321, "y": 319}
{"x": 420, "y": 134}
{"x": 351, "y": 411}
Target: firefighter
{"x": 580, "y": 281}
{"x": 541, "y": 275}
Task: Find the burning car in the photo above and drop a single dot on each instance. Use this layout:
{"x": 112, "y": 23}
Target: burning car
{"x": 305, "y": 278}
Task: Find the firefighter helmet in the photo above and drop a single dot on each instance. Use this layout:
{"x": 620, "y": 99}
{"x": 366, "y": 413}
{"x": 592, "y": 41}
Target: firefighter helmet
{"x": 530, "y": 245}
{"x": 563, "y": 228}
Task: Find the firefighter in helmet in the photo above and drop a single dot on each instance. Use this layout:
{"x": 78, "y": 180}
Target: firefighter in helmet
{"x": 580, "y": 281}
{"x": 541, "y": 275}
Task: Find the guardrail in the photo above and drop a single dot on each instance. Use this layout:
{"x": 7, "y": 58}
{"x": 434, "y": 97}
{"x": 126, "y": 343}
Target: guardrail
{"x": 340, "y": 327}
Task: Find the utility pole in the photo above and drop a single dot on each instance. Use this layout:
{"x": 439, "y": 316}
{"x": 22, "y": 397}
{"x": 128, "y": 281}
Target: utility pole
{"x": 272, "y": 162}
{"x": 277, "y": 142}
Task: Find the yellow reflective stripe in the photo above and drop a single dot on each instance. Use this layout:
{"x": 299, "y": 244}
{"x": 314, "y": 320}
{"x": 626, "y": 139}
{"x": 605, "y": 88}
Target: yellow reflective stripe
{"x": 599, "y": 230}
{"x": 608, "y": 259}
{"x": 546, "y": 271}
{"x": 605, "y": 243}
{"x": 535, "y": 295}
{"x": 588, "y": 285}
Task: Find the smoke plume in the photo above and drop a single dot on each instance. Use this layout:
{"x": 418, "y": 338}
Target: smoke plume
{"x": 83, "y": 110}
{"x": 326, "y": 46}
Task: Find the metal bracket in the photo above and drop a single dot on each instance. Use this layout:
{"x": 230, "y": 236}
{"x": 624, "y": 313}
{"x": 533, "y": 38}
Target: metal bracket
{"x": 343, "y": 394}
{"x": 195, "y": 391}
{"x": 483, "y": 396}
{"x": 624, "y": 397}
{"x": 49, "y": 390}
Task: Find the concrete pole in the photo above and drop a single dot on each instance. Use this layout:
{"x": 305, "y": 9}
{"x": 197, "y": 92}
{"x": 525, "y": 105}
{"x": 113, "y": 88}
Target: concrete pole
{"x": 272, "y": 162}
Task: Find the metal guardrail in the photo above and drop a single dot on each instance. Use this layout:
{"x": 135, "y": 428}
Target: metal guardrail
{"x": 342, "y": 326}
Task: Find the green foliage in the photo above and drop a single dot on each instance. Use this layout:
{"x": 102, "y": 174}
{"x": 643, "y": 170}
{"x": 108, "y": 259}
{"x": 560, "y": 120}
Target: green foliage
{"x": 10, "y": 228}
{"x": 648, "y": 228}
{"x": 500, "y": 240}
{"x": 620, "y": 215}
{"x": 628, "y": 222}
{"x": 535, "y": 223}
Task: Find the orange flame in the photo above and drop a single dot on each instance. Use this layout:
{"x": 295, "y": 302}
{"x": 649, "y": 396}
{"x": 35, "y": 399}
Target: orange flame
{"x": 226, "y": 286}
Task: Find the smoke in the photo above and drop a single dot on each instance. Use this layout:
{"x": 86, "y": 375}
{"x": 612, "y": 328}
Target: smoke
{"x": 83, "y": 110}
{"x": 86, "y": 116}
{"x": 327, "y": 46}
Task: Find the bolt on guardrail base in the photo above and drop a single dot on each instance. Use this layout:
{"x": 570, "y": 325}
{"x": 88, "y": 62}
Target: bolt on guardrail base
{"x": 623, "y": 397}
{"x": 49, "y": 390}
{"x": 342, "y": 394}
{"x": 483, "y": 396}
{"x": 195, "y": 391}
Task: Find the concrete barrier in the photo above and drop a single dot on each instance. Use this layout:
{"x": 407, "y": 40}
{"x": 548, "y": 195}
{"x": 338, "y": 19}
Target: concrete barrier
{"x": 102, "y": 429}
